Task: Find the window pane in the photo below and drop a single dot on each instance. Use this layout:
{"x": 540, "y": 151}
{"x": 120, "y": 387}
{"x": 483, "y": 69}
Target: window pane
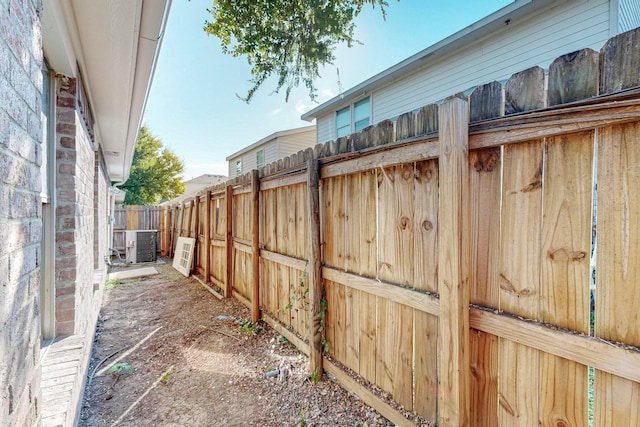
{"x": 361, "y": 110}
{"x": 260, "y": 158}
{"x": 343, "y": 122}
{"x": 238, "y": 167}
{"x": 361, "y": 124}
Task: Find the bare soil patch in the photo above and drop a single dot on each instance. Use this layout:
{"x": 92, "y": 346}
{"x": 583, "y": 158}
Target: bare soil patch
{"x": 194, "y": 365}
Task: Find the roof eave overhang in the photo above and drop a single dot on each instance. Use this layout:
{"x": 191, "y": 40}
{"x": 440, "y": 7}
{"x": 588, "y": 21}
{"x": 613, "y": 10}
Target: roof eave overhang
{"x": 116, "y": 45}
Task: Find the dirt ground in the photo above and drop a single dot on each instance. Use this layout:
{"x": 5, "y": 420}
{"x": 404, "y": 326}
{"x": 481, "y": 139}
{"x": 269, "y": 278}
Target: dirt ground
{"x": 185, "y": 360}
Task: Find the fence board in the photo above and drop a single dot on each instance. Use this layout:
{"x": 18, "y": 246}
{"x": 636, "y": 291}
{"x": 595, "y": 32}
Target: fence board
{"x": 333, "y": 220}
{"x": 566, "y": 244}
{"x": 367, "y": 322}
{"x": 618, "y": 270}
{"x": 425, "y": 237}
{"x": 483, "y": 349}
{"x": 426, "y": 365}
{"x": 484, "y": 190}
{"x": 519, "y": 279}
{"x": 395, "y": 223}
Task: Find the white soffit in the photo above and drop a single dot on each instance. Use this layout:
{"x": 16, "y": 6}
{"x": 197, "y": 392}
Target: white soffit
{"x": 116, "y": 43}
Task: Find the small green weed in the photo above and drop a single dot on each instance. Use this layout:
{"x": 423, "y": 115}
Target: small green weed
{"x": 316, "y": 376}
{"x": 120, "y": 369}
{"x": 303, "y": 422}
{"x": 249, "y": 327}
{"x": 112, "y": 283}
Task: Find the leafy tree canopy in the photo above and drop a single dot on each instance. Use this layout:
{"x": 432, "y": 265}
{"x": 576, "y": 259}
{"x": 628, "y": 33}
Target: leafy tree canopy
{"x": 155, "y": 172}
{"x": 290, "y": 39}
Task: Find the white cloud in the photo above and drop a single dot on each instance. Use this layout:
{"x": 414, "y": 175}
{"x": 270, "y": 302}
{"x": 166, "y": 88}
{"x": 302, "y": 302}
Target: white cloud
{"x": 276, "y": 111}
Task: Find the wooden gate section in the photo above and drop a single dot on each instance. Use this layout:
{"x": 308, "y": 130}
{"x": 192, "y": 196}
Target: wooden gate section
{"x": 446, "y": 257}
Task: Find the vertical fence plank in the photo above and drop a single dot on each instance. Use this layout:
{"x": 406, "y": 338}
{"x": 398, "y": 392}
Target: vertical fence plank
{"x": 255, "y": 245}
{"x": 573, "y": 77}
{"x": 620, "y": 61}
{"x": 228, "y": 283}
{"x": 520, "y": 279}
{"x": 566, "y": 245}
{"x": 618, "y": 269}
{"x": 395, "y": 202}
{"x": 425, "y": 229}
{"x": 426, "y": 365}
{"x": 484, "y": 189}
{"x": 483, "y": 350}
{"x": 314, "y": 278}
{"x": 453, "y": 263}
{"x": 207, "y": 237}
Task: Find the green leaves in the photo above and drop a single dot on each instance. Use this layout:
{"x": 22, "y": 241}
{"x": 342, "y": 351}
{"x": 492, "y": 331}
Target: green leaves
{"x": 289, "y": 39}
{"x": 155, "y": 172}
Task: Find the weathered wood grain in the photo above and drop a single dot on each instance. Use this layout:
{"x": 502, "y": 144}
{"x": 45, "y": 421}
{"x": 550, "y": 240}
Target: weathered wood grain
{"x": 483, "y": 357}
{"x": 524, "y": 91}
{"x": 620, "y": 62}
{"x": 573, "y": 77}
{"x": 425, "y": 229}
{"x": 454, "y": 235}
{"x": 427, "y": 119}
{"x": 484, "y": 191}
{"x": 426, "y": 365}
{"x": 618, "y": 271}
{"x": 485, "y": 102}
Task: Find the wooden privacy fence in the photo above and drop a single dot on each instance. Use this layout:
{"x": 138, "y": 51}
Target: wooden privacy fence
{"x": 137, "y": 217}
{"x": 444, "y": 258}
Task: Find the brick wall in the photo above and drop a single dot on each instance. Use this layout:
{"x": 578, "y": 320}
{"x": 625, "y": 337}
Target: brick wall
{"x": 20, "y": 212}
{"x": 101, "y": 212}
{"x": 75, "y": 171}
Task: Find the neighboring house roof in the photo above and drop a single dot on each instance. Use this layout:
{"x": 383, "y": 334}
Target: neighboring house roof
{"x": 196, "y": 185}
{"x": 269, "y": 138}
{"x": 511, "y": 13}
{"x": 116, "y": 44}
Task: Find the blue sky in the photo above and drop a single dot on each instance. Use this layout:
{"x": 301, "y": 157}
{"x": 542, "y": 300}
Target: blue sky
{"x": 193, "y": 107}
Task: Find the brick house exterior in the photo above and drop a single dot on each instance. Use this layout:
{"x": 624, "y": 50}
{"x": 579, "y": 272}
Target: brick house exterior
{"x": 61, "y": 146}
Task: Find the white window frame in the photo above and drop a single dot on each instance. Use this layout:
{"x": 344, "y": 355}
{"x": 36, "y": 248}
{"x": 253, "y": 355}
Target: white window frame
{"x": 352, "y": 126}
{"x": 239, "y": 167}
{"x": 259, "y": 162}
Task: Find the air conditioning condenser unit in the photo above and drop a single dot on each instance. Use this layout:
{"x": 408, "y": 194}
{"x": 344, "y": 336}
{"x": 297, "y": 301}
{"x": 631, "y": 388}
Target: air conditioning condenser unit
{"x": 141, "y": 245}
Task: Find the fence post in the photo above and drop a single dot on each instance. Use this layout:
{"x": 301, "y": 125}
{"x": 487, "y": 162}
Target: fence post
{"x": 229, "y": 241}
{"x": 197, "y": 256}
{"x": 255, "y": 242}
{"x": 314, "y": 278}
{"x": 207, "y": 237}
{"x": 453, "y": 263}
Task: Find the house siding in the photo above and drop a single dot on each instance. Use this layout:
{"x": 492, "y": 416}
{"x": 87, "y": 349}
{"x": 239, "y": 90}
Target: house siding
{"x": 628, "y": 15}
{"x": 274, "y": 148}
{"x": 290, "y": 144}
{"x": 20, "y": 212}
{"x": 552, "y": 32}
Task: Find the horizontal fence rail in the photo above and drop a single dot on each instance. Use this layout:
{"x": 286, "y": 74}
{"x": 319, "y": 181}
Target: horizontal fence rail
{"x": 448, "y": 258}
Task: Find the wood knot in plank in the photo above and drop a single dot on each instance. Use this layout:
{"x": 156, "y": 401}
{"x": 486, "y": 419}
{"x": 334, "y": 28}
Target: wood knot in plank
{"x": 427, "y": 225}
{"x": 404, "y": 223}
{"x": 507, "y": 286}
